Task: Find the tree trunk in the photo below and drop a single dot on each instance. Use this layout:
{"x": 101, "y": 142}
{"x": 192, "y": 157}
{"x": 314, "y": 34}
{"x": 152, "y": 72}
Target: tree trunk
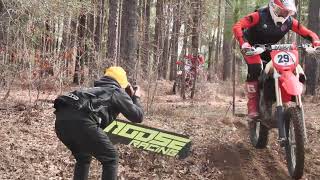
{"x": 71, "y": 54}
{"x": 218, "y": 41}
{"x": 2, "y": 10}
{"x": 91, "y": 22}
{"x": 158, "y": 43}
{"x": 311, "y": 64}
{"x": 92, "y": 60}
{"x": 166, "y": 45}
{"x": 183, "y": 53}
{"x": 59, "y": 36}
{"x": 195, "y": 27}
{"x": 298, "y": 40}
{"x": 66, "y": 33}
{"x": 129, "y": 25}
{"x": 78, "y": 74}
{"x": 196, "y": 6}
{"x": 118, "y": 58}
{"x": 112, "y": 30}
{"x": 145, "y": 44}
{"x": 3, "y": 28}
{"x": 174, "y": 40}
{"x": 210, "y": 56}
{"x": 140, "y": 38}
{"x": 227, "y": 39}
{"x": 99, "y": 25}
{"x": 186, "y": 30}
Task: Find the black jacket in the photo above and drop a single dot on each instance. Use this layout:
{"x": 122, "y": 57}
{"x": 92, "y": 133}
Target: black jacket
{"x": 266, "y": 32}
{"x": 105, "y": 100}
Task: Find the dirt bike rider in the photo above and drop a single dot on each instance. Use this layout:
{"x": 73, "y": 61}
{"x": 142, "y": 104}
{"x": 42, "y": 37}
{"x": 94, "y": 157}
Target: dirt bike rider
{"x": 266, "y": 26}
{"x": 192, "y": 61}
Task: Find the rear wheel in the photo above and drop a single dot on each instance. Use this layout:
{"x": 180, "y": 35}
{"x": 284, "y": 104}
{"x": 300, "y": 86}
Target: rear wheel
{"x": 193, "y": 87}
{"x": 174, "y": 88}
{"x": 177, "y": 85}
{"x": 189, "y": 81}
{"x": 295, "y": 142}
{"x": 258, "y": 134}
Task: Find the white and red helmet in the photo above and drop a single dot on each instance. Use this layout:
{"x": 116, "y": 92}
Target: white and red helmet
{"x": 281, "y": 10}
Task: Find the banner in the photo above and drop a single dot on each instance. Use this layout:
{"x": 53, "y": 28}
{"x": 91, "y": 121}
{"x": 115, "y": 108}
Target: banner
{"x": 149, "y": 138}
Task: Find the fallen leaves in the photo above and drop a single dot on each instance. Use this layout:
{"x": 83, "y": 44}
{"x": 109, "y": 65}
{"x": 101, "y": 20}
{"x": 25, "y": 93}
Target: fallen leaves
{"x": 220, "y": 146}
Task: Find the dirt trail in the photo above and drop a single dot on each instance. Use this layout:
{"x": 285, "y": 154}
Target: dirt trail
{"x": 232, "y": 153}
{"x": 220, "y": 150}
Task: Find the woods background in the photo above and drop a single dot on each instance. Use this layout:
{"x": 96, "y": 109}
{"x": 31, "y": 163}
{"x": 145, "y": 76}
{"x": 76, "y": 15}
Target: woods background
{"x": 49, "y": 47}
{"x": 53, "y": 43}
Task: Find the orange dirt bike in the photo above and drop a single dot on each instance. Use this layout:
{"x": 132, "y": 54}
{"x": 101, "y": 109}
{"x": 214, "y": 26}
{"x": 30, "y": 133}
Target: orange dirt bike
{"x": 280, "y": 104}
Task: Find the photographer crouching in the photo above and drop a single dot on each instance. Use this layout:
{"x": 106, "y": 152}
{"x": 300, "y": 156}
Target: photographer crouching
{"x": 82, "y": 115}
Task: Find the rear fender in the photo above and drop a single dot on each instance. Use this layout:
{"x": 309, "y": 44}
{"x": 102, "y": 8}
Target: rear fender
{"x": 179, "y": 62}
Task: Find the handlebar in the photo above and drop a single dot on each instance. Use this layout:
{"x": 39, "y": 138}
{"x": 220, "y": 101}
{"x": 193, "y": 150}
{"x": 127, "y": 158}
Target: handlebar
{"x": 261, "y": 48}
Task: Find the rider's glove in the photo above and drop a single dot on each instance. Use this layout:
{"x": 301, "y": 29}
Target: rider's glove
{"x": 316, "y": 43}
{"x": 245, "y": 47}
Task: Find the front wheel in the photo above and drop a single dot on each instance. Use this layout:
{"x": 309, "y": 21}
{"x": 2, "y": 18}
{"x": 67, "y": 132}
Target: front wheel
{"x": 295, "y": 142}
{"x": 258, "y": 134}
{"x": 177, "y": 85}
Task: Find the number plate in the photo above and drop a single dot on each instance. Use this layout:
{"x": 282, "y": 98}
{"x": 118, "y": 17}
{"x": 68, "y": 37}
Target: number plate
{"x": 285, "y": 58}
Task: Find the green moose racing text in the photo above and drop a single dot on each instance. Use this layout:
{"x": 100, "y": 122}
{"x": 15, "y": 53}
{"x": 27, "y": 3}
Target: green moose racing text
{"x": 149, "y": 139}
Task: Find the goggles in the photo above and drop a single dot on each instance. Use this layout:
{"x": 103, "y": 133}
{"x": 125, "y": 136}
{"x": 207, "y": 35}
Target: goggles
{"x": 280, "y": 12}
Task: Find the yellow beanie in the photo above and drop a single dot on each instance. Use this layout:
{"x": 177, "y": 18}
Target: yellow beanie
{"x": 118, "y": 74}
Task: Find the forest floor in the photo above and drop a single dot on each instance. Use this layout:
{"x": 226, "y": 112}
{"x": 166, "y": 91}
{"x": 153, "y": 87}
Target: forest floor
{"x": 29, "y": 148}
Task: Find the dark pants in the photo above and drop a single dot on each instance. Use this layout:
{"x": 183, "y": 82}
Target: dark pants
{"x": 255, "y": 68}
{"x": 82, "y": 135}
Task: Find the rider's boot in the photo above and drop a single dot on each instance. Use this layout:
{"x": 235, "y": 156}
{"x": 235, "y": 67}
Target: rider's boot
{"x": 253, "y": 99}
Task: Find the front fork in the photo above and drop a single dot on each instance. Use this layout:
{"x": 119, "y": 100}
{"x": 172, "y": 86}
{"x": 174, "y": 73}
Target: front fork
{"x": 279, "y": 109}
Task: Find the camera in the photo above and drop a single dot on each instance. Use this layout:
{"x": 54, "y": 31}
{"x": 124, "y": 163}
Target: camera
{"x": 130, "y": 91}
